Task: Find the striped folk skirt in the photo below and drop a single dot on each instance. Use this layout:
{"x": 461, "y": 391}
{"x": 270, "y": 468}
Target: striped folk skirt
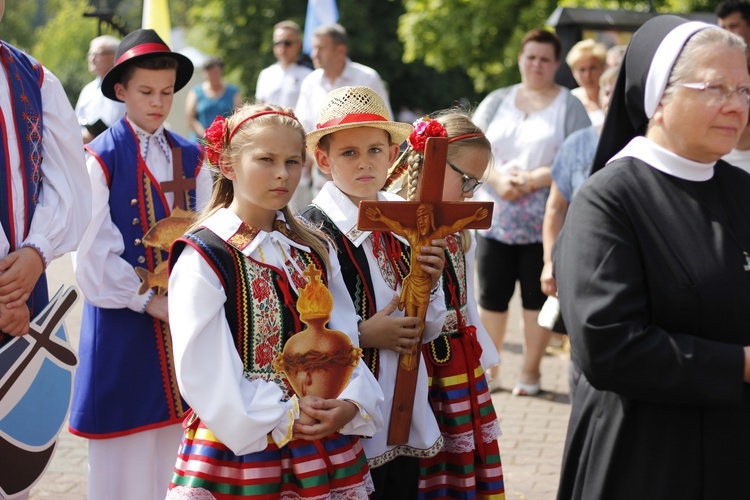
{"x": 334, "y": 467}
{"x": 468, "y": 466}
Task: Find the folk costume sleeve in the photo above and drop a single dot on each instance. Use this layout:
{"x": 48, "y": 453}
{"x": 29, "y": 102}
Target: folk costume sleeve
{"x": 210, "y": 372}
{"x": 229, "y": 385}
{"x": 106, "y": 279}
{"x": 64, "y": 207}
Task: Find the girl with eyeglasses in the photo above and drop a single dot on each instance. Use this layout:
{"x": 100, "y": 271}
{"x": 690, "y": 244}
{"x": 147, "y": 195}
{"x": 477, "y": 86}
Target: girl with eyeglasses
{"x": 468, "y": 464}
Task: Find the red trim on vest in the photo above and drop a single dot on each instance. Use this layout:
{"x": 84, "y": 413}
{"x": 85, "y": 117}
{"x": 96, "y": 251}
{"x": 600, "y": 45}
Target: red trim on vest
{"x": 22, "y": 162}
{"x": 9, "y": 187}
{"x": 101, "y": 164}
{"x": 203, "y": 254}
{"x": 128, "y": 432}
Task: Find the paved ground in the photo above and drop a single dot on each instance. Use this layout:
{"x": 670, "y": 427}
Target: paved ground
{"x": 531, "y": 445}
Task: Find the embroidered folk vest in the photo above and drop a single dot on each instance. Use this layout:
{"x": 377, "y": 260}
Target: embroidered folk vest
{"x": 261, "y": 303}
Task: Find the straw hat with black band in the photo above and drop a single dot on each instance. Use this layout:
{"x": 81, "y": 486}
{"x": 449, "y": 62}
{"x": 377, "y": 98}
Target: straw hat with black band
{"x": 351, "y": 107}
{"x": 140, "y": 45}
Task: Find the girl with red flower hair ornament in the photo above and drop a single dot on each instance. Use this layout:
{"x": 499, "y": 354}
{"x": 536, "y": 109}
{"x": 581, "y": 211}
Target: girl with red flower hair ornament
{"x": 234, "y": 287}
{"x": 468, "y": 465}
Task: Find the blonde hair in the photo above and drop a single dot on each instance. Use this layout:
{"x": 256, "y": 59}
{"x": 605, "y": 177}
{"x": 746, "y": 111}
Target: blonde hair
{"x": 457, "y": 123}
{"x": 585, "y": 48}
{"x": 230, "y": 154}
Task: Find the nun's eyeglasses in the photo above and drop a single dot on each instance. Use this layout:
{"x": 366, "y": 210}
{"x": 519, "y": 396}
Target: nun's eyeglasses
{"x": 470, "y": 183}
{"x": 718, "y": 92}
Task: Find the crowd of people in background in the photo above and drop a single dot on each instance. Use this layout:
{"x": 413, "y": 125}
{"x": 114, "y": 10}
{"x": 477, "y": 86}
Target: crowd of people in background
{"x": 616, "y": 204}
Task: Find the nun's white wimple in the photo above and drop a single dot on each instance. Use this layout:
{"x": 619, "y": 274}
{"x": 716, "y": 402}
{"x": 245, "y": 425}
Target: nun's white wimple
{"x": 663, "y": 61}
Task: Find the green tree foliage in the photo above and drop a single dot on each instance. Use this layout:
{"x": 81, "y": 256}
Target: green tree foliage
{"x": 482, "y": 36}
{"x": 430, "y": 53}
{"x": 245, "y": 45}
{"x": 240, "y": 31}
{"x": 17, "y": 26}
{"x": 63, "y": 42}
{"x": 374, "y": 41}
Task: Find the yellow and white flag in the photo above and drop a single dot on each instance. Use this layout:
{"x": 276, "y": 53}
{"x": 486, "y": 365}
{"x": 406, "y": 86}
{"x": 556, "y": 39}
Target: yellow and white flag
{"x": 156, "y": 17}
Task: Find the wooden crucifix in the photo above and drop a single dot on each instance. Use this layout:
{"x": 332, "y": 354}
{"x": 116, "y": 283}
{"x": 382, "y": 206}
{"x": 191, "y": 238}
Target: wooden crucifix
{"x": 419, "y": 221}
{"x": 179, "y": 184}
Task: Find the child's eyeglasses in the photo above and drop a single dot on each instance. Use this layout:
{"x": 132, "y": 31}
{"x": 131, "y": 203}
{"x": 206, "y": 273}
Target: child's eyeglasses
{"x": 470, "y": 183}
{"x": 285, "y": 43}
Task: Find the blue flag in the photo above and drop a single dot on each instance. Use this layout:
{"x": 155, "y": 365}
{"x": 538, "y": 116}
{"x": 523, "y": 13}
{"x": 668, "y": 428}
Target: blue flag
{"x": 319, "y": 13}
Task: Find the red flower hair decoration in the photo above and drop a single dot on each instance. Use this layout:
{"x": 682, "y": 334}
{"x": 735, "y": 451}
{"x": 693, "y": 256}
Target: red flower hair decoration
{"x": 423, "y": 129}
{"x": 214, "y": 138}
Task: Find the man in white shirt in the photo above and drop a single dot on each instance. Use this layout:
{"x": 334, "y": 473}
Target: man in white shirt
{"x": 333, "y": 69}
{"x": 92, "y": 106}
{"x": 280, "y": 83}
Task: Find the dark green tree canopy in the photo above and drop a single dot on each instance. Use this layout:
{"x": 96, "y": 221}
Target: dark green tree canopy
{"x": 432, "y": 54}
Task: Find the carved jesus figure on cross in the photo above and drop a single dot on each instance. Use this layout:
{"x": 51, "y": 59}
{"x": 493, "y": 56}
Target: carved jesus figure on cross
{"x": 415, "y": 290}
{"x": 419, "y": 221}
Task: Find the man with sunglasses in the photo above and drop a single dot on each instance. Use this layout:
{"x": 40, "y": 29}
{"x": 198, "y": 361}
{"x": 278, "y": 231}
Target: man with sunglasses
{"x": 280, "y": 83}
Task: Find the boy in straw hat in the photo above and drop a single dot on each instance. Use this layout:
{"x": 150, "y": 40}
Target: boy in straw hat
{"x": 355, "y": 142}
{"x": 125, "y": 398}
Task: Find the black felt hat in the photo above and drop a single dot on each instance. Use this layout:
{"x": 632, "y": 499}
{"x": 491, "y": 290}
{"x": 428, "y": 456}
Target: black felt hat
{"x": 628, "y": 113}
{"x": 137, "y": 46}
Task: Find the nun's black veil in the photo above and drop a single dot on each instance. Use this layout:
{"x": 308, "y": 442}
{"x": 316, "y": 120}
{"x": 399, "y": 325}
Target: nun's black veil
{"x": 626, "y": 117}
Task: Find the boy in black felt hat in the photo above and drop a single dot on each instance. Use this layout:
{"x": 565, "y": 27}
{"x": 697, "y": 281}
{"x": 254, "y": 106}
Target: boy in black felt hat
{"x": 125, "y": 398}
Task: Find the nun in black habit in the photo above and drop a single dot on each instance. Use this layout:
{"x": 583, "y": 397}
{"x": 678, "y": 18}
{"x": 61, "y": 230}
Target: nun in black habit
{"x": 653, "y": 275}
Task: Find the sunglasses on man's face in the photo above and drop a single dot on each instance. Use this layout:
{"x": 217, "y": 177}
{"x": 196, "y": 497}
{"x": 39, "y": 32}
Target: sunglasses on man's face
{"x": 285, "y": 43}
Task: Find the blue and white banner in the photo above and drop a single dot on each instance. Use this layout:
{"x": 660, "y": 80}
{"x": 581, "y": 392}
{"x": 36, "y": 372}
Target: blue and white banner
{"x": 319, "y": 13}
{"x": 36, "y": 383}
